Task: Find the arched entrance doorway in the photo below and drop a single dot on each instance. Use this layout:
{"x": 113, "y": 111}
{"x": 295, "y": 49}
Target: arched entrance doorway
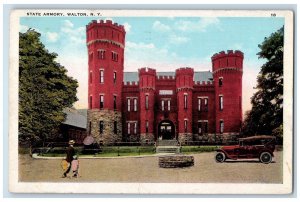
{"x": 166, "y": 130}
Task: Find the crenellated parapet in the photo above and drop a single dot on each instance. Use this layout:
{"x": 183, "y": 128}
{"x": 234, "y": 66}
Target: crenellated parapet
{"x": 184, "y": 78}
{"x": 230, "y": 59}
{"x": 147, "y": 78}
{"x": 166, "y": 78}
{"x": 105, "y": 32}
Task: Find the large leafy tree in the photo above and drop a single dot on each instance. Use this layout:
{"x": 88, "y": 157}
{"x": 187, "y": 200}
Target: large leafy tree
{"x": 266, "y": 115}
{"x": 44, "y": 90}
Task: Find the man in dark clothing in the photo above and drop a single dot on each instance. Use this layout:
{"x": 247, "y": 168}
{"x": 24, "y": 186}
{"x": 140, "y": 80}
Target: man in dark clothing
{"x": 70, "y": 153}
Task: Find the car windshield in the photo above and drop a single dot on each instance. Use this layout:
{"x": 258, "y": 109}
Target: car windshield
{"x": 256, "y": 141}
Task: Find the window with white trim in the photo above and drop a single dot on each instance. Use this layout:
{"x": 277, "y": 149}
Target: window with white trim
{"x": 115, "y": 77}
{"x": 128, "y": 104}
{"x": 221, "y": 126}
{"x": 128, "y": 128}
{"x": 147, "y": 126}
{"x": 199, "y": 104}
{"x": 185, "y": 126}
{"x": 135, "y": 104}
{"x": 185, "y": 101}
{"x": 221, "y": 102}
{"x": 101, "y": 76}
{"x": 169, "y": 105}
{"x": 162, "y": 105}
{"x": 101, "y": 54}
{"x": 135, "y": 128}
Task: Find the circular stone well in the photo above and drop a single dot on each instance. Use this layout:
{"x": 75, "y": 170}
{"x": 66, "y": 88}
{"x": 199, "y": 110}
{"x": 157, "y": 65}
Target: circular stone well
{"x": 177, "y": 161}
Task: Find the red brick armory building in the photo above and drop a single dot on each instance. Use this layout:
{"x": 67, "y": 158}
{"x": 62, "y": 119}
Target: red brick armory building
{"x": 148, "y": 105}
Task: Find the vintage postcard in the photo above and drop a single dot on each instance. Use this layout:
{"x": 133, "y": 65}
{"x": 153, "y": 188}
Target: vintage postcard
{"x": 151, "y": 101}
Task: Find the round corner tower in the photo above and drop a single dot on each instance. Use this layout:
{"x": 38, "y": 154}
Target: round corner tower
{"x": 184, "y": 88}
{"x": 105, "y": 44}
{"x": 147, "y": 77}
{"x": 227, "y": 76}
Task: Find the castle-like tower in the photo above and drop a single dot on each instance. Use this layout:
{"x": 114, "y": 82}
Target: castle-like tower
{"x": 145, "y": 106}
{"x": 227, "y": 74}
{"x": 105, "y": 44}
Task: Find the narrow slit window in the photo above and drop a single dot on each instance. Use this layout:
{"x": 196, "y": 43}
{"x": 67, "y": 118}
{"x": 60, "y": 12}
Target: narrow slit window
{"x": 135, "y": 128}
{"x": 169, "y": 105}
{"x": 115, "y": 102}
{"x": 147, "y": 102}
{"x": 185, "y": 126}
{"x": 185, "y": 101}
{"x": 101, "y": 127}
{"x": 147, "y": 126}
{"x": 115, "y": 77}
{"x": 128, "y": 128}
{"x": 115, "y": 127}
{"x": 199, "y": 104}
{"x": 221, "y": 102}
{"x": 162, "y": 105}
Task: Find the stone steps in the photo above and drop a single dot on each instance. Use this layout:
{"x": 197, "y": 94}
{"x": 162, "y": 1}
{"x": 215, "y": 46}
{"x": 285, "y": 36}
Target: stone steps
{"x": 167, "y": 143}
{"x": 167, "y": 149}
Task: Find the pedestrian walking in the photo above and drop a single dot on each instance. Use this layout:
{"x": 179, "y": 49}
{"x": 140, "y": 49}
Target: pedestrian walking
{"x": 69, "y": 158}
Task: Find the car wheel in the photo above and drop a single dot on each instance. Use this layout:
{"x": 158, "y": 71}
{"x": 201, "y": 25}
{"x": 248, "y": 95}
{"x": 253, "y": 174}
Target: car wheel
{"x": 220, "y": 157}
{"x": 265, "y": 157}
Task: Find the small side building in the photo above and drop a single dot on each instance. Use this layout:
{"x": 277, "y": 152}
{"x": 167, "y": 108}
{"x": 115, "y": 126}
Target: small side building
{"x": 74, "y": 127}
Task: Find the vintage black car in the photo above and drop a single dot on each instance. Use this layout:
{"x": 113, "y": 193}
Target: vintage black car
{"x": 261, "y": 147}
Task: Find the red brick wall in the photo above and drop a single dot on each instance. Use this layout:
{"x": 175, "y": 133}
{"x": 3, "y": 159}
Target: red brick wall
{"x": 229, "y": 66}
{"x": 111, "y": 38}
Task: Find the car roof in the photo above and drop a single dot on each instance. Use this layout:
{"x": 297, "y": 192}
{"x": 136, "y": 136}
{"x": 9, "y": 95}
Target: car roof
{"x": 258, "y": 137}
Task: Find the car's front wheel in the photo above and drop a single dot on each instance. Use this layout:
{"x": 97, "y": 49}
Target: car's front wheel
{"x": 220, "y": 157}
{"x": 265, "y": 157}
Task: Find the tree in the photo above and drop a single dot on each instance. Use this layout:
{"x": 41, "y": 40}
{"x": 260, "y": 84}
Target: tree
{"x": 44, "y": 90}
{"x": 266, "y": 114}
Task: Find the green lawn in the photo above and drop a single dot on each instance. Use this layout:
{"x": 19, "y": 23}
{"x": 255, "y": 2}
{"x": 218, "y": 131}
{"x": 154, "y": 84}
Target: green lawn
{"x": 115, "y": 151}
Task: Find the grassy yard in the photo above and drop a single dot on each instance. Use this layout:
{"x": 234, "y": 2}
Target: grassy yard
{"x": 197, "y": 149}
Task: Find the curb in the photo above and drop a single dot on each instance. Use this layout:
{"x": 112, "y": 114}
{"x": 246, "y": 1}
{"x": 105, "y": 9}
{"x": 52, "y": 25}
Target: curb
{"x": 36, "y": 156}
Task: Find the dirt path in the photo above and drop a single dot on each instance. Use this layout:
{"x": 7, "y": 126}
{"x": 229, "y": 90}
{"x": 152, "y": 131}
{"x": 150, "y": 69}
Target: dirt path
{"x": 146, "y": 170}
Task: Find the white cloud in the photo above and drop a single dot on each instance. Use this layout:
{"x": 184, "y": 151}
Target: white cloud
{"x": 127, "y": 27}
{"x": 197, "y": 26}
{"x": 68, "y": 23}
{"x": 178, "y": 39}
{"x": 158, "y": 26}
{"x": 52, "y": 36}
{"x": 75, "y": 35}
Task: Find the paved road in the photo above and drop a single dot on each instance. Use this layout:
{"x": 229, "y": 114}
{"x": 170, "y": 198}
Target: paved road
{"x": 146, "y": 170}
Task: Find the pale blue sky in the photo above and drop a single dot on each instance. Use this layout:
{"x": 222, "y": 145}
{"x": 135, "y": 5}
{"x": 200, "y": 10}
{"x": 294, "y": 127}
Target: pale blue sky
{"x": 163, "y": 43}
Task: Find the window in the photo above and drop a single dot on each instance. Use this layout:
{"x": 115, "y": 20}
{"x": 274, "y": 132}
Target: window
{"x": 91, "y": 100}
{"x": 147, "y": 126}
{"x": 101, "y": 101}
{"x": 115, "y": 102}
{"x": 128, "y": 128}
{"x": 114, "y": 56}
{"x": 135, "y": 128}
{"x": 135, "y": 104}
{"x": 115, "y": 127}
{"x": 221, "y": 81}
{"x": 91, "y": 77}
{"x": 206, "y": 104}
{"x": 185, "y": 101}
{"x": 199, "y": 104}
{"x": 128, "y": 105}
{"x": 101, "y": 127}
{"x": 185, "y": 126}
{"x": 115, "y": 77}
{"x": 169, "y": 105}
{"x": 101, "y": 76}
{"x": 101, "y": 54}
{"x": 147, "y": 102}
{"x": 221, "y": 126}
{"x": 199, "y": 128}
{"x": 162, "y": 105}
{"x": 221, "y": 102}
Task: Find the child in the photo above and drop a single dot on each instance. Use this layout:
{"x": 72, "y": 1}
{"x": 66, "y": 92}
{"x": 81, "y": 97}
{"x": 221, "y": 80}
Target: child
{"x": 75, "y": 166}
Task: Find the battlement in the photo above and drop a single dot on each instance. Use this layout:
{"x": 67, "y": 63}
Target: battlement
{"x": 229, "y": 59}
{"x": 128, "y": 83}
{"x": 185, "y": 71}
{"x": 229, "y": 53}
{"x": 203, "y": 83}
{"x": 165, "y": 77}
{"x": 107, "y": 23}
{"x": 147, "y": 71}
